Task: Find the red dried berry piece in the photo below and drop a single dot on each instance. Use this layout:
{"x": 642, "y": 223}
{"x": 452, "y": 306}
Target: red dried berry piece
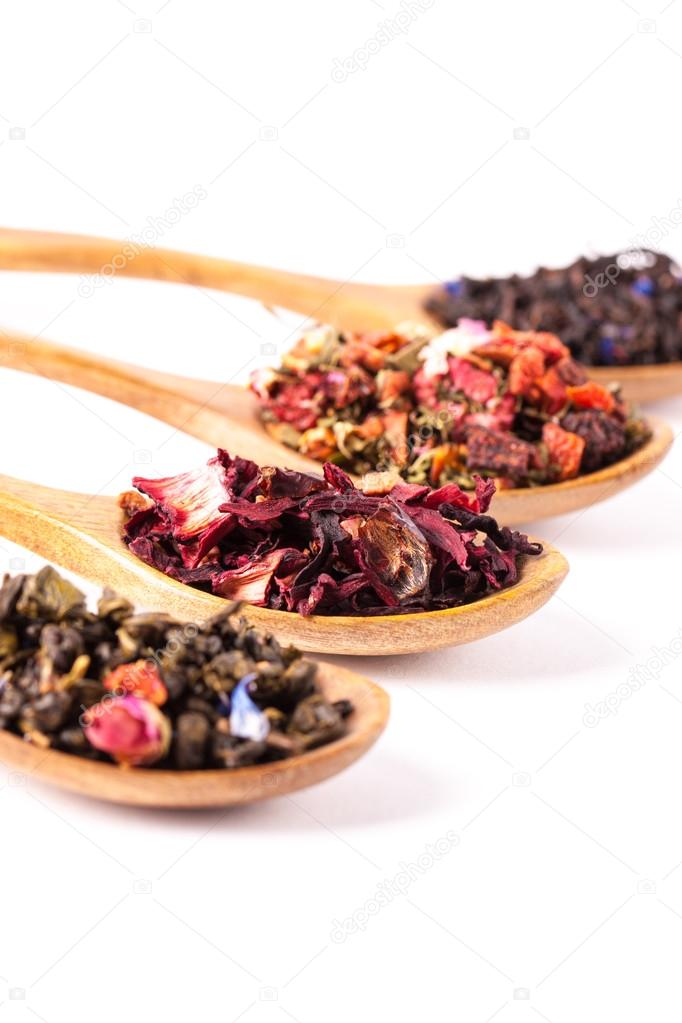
{"x": 565, "y": 449}
{"x": 361, "y": 352}
{"x": 525, "y": 370}
{"x": 591, "y": 395}
{"x": 476, "y": 384}
{"x": 343, "y": 387}
{"x": 139, "y": 678}
{"x": 426, "y": 389}
{"x": 605, "y": 437}
{"x": 549, "y": 344}
{"x": 318, "y": 442}
{"x": 391, "y": 383}
{"x": 395, "y": 432}
{"x": 443, "y": 457}
{"x": 553, "y": 391}
{"x": 571, "y": 372}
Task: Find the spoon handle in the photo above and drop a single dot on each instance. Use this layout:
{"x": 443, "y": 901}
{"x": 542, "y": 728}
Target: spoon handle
{"x": 348, "y": 304}
{"x": 83, "y": 533}
{"x": 31, "y": 499}
{"x": 137, "y": 386}
{"x": 221, "y": 415}
{"x": 67, "y": 528}
{"x": 43, "y": 517}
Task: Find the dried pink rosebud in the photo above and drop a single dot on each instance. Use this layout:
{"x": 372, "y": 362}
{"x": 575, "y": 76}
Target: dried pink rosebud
{"x": 132, "y": 731}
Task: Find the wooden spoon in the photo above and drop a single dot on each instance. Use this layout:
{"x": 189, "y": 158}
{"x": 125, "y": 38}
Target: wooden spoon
{"x": 346, "y": 304}
{"x": 190, "y": 789}
{"x": 83, "y": 534}
{"x": 225, "y": 415}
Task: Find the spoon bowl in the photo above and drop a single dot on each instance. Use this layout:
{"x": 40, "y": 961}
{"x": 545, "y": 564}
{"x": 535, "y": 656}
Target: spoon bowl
{"x": 227, "y": 416}
{"x": 346, "y": 304}
{"x": 84, "y": 534}
{"x": 642, "y": 384}
{"x": 196, "y": 789}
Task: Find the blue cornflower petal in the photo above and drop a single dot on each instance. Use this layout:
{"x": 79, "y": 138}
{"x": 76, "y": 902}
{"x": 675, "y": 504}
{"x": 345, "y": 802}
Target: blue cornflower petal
{"x": 606, "y": 349}
{"x": 644, "y": 286}
{"x": 454, "y": 288}
{"x": 247, "y": 721}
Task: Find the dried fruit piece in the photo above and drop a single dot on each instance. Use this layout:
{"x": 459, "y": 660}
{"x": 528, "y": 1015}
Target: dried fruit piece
{"x": 395, "y": 432}
{"x": 605, "y": 438}
{"x": 525, "y": 370}
{"x": 391, "y": 383}
{"x": 401, "y": 400}
{"x": 318, "y": 443}
{"x": 499, "y": 453}
{"x": 565, "y": 450}
{"x": 591, "y": 395}
{"x": 141, "y": 678}
{"x": 552, "y": 391}
{"x": 443, "y": 457}
{"x": 474, "y": 383}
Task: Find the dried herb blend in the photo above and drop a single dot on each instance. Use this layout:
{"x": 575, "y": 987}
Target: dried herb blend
{"x": 618, "y": 310}
{"x": 142, "y": 689}
{"x": 317, "y": 544}
{"x": 500, "y": 403}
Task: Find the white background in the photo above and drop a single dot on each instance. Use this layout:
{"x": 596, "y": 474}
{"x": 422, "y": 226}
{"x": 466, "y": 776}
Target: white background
{"x": 544, "y": 890}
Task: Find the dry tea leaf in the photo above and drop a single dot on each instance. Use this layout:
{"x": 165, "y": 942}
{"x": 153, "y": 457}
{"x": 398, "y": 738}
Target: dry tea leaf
{"x": 145, "y": 689}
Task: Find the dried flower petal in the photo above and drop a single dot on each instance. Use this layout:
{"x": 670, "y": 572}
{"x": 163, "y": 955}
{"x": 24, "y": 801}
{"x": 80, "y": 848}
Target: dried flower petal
{"x": 252, "y": 581}
{"x": 330, "y": 547}
{"x": 460, "y": 340}
{"x": 247, "y": 721}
